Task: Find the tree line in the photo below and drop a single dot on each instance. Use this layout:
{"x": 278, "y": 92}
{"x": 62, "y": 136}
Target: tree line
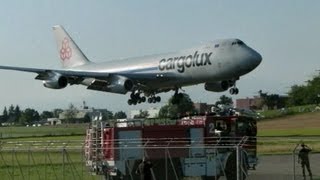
{"x": 14, "y": 115}
{"x": 298, "y": 95}
{"x": 308, "y": 93}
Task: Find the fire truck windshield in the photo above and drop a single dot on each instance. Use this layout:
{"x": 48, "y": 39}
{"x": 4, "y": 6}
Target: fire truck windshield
{"x": 246, "y": 127}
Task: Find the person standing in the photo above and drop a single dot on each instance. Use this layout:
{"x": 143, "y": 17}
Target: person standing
{"x": 304, "y": 159}
{"x": 144, "y": 170}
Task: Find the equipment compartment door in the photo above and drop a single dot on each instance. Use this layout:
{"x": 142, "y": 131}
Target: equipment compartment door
{"x": 130, "y": 145}
{"x": 196, "y": 136}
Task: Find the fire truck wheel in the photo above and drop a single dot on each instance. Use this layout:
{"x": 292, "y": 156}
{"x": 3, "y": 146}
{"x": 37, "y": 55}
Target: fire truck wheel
{"x": 231, "y": 166}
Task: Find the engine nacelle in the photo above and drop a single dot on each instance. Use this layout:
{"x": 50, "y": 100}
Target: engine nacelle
{"x": 219, "y": 86}
{"x": 120, "y": 84}
{"x": 56, "y": 81}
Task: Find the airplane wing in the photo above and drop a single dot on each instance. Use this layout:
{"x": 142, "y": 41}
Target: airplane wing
{"x": 90, "y": 74}
{"x": 100, "y": 81}
{"x": 70, "y": 73}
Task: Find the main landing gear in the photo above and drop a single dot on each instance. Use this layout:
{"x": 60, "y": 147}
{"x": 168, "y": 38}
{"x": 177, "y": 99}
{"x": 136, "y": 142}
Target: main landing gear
{"x": 136, "y": 98}
{"x": 154, "y": 99}
{"x": 177, "y": 97}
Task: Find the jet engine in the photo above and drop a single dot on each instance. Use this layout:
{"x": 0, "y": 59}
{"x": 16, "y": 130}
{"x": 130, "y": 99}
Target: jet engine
{"x": 56, "y": 81}
{"x": 119, "y": 84}
{"x": 219, "y": 86}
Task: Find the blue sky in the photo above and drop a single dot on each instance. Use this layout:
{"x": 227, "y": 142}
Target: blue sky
{"x": 285, "y": 33}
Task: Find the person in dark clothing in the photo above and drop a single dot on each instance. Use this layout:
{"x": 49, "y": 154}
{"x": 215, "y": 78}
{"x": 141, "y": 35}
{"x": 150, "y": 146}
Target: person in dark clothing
{"x": 144, "y": 170}
{"x": 304, "y": 159}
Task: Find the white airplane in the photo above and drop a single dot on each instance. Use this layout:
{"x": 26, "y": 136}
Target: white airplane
{"x": 217, "y": 64}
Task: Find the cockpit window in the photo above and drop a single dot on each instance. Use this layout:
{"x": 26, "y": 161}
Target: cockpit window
{"x": 237, "y": 42}
{"x": 216, "y": 45}
{"x": 240, "y": 42}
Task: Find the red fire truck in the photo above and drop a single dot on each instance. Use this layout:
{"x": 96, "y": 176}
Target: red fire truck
{"x": 198, "y": 146}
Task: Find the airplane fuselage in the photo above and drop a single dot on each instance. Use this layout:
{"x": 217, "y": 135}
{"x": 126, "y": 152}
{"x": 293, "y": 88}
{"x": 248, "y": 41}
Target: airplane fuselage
{"x": 215, "y": 61}
{"x": 217, "y": 64}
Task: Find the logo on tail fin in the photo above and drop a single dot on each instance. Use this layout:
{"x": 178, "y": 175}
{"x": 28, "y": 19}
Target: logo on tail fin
{"x": 65, "y": 51}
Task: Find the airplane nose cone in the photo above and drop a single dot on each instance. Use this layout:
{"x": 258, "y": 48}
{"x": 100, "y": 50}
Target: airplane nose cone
{"x": 258, "y": 58}
{"x": 250, "y": 61}
{"x": 255, "y": 59}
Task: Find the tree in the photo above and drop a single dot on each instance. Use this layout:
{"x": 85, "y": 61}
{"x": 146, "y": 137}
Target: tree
{"x": 273, "y": 100}
{"x": 120, "y": 115}
{"x": 71, "y": 113}
{"x": 142, "y": 114}
{"x": 87, "y": 118}
{"x": 305, "y": 94}
{"x": 29, "y": 116}
{"x": 46, "y": 115}
{"x": 171, "y": 110}
{"x": 17, "y": 113}
{"x": 165, "y": 111}
{"x": 106, "y": 114}
{"x": 5, "y": 115}
{"x": 225, "y": 100}
{"x": 11, "y": 114}
{"x": 57, "y": 112}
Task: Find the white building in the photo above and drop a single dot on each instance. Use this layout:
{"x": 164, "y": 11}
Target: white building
{"x": 153, "y": 113}
{"x": 53, "y": 121}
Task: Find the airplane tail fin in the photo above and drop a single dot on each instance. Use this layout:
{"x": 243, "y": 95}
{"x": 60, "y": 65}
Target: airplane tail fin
{"x": 70, "y": 54}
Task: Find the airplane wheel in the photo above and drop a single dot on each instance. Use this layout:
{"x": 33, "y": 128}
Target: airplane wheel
{"x": 130, "y": 102}
{"x": 149, "y": 100}
{"x": 143, "y": 99}
{"x": 132, "y": 96}
{"x": 232, "y": 91}
{"x": 158, "y": 99}
{"x": 236, "y": 91}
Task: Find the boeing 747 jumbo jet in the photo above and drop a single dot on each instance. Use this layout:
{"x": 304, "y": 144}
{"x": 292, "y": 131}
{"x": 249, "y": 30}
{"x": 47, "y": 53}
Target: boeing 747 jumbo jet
{"x": 217, "y": 64}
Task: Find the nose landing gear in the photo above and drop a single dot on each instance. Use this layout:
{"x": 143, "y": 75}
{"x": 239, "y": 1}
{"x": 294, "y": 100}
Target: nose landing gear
{"x": 234, "y": 91}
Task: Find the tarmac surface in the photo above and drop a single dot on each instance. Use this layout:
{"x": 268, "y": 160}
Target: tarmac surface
{"x": 281, "y": 167}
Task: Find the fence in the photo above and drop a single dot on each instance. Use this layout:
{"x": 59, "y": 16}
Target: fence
{"x": 28, "y": 160}
{"x": 278, "y": 158}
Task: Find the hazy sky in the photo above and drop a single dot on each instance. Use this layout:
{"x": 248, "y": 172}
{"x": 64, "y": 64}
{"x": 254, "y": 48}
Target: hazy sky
{"x": 285, "y": 33}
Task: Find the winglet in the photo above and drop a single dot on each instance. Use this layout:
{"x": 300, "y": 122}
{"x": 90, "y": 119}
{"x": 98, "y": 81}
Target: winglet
{"x": 69, "y": 53}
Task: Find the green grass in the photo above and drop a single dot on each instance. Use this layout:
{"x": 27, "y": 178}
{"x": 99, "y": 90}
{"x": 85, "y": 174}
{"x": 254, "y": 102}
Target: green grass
{"x": 290, "y": 132}
{"x": 270, "y": 114}
{"x": 49, "y": 138}
{"x": 16, "y": 162}
{"x": 285, "y": 144}
{"x": 43, "y": 165}
{"x": 59, "y": 130}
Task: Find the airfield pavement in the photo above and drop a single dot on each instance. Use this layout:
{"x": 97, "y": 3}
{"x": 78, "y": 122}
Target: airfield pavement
{"x": 280, "y": 167}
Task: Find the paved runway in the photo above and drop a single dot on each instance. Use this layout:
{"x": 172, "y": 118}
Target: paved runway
{"x": 280, "y": 167}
